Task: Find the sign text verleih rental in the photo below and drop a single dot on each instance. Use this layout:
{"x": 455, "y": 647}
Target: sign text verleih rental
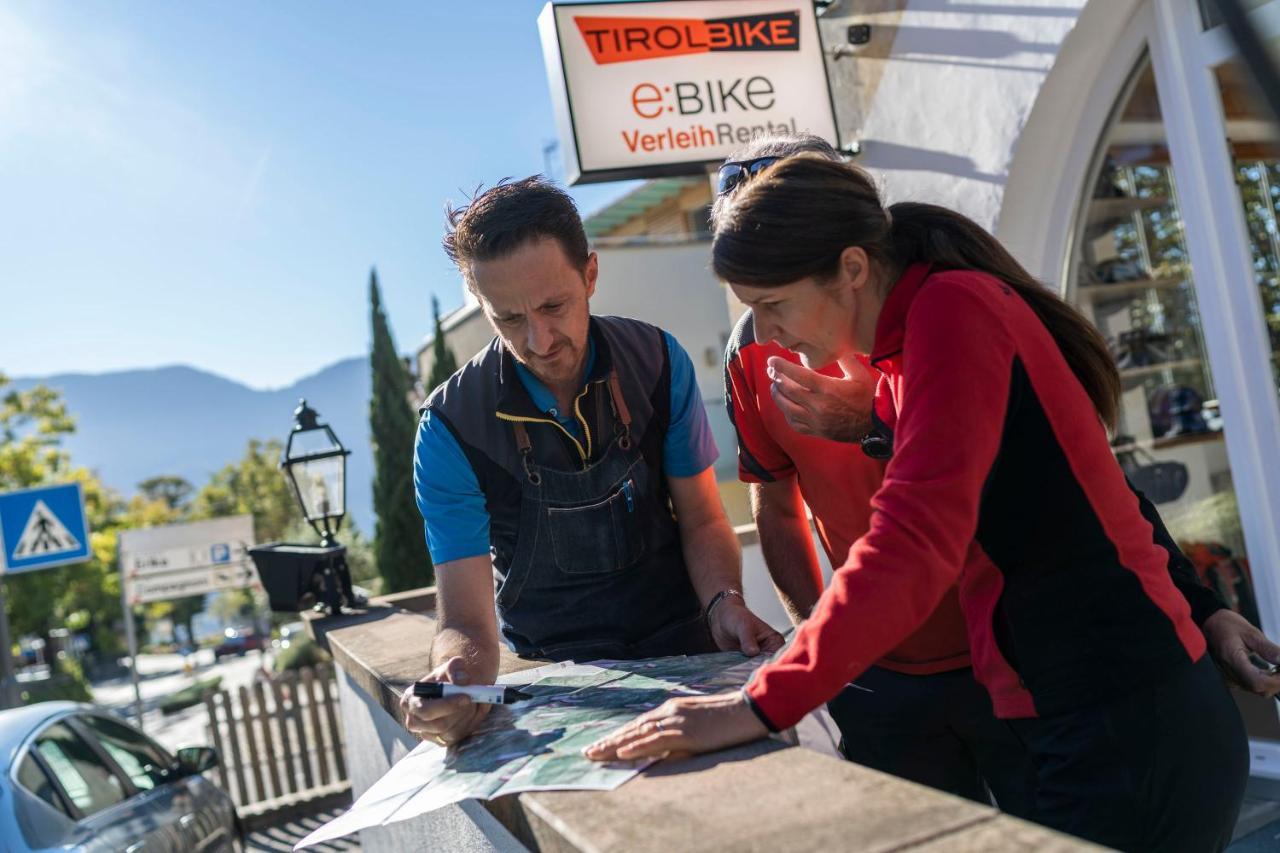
{"x": 646, "y": 89}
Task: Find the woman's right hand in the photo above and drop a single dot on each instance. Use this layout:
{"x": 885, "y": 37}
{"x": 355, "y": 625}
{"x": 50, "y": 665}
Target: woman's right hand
{"x": 829, "y": 407}
{"x": 443, "y": 721}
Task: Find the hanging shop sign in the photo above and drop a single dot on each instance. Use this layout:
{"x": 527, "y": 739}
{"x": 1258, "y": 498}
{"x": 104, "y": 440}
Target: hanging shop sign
{"x": 649, "y": 89}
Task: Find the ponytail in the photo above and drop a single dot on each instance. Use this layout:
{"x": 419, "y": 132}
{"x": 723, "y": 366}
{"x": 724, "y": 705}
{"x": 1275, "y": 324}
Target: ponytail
{"x": 950, "y": 241}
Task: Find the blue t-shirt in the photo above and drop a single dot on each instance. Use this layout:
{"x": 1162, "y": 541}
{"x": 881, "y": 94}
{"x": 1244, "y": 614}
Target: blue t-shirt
{"x": 450, "y": 500}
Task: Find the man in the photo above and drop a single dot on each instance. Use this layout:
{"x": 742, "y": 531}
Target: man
{"x": 918, "y": 713}
{"x": 570, "y": 461}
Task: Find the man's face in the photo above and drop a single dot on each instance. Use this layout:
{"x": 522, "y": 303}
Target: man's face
{"x": 537, "y": 301}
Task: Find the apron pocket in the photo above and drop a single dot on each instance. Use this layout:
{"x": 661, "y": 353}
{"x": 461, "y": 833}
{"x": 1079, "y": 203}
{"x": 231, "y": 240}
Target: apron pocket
{"x": 598, "y": 538}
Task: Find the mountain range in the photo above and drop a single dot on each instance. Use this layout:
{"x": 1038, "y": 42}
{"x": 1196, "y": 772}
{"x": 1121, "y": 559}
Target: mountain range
{"x": 135, "y": 424}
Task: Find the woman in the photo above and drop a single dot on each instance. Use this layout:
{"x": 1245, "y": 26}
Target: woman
{"x": 995, "y": 397}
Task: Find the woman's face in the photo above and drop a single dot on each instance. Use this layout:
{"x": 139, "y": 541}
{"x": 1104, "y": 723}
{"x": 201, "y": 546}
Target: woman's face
{"x": 815, "y": 320}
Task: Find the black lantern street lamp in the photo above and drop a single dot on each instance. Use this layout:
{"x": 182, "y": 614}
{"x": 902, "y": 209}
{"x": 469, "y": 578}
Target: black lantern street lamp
{"x": 316, "y": 464}
{"x": 298, "y": 576}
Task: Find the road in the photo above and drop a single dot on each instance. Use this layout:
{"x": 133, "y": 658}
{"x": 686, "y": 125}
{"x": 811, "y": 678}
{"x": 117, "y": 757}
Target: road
{"x": 160, "y": 677}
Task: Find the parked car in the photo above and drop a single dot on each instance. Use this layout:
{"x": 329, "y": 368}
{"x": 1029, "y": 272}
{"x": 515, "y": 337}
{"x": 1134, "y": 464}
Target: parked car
{"x": 237, "y": 642}
{"x": 79, "y": 778}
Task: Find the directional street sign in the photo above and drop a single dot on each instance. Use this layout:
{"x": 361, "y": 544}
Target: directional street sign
{"x": 43, "y": 527}
{"x": 191, "y": 582}
{"x": 185, "y": 559}
{"x": 160, "y": 563}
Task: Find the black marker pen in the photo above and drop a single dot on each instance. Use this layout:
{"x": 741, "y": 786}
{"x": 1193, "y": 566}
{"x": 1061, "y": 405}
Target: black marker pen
{"x": 485, "y": 694}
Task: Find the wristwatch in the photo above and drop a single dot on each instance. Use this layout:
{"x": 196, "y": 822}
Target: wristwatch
{"x": 719, "y": 597}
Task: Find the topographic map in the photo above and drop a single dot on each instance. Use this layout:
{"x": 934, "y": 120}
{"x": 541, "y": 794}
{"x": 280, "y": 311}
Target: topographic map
{"x": 536, "y": 745}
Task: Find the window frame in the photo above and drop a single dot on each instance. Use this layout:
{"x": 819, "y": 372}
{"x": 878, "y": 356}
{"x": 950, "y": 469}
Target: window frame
{"x": 78, "y": 814}
{"x": 68, "y": 807}
{"x": 76, "y": 720}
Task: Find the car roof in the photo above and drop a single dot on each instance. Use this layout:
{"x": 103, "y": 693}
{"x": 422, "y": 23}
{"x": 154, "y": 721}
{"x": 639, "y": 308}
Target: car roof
{"x": 16, "y": 724}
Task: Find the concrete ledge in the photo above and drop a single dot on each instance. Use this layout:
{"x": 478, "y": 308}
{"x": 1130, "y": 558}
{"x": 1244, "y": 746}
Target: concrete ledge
{"x": 763, "y": 796}
{"x": 414, "y": 600}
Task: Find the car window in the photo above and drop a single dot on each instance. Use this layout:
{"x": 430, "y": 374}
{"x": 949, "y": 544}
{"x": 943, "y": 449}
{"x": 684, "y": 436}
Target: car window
{"x": 143, "y": 762}
{"x": 82, "y": 774}
{"x": 32, "y": 777}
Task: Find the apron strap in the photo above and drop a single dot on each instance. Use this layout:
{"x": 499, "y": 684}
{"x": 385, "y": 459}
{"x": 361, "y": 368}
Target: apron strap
{"x": 526, "y": 451}
{"x": 600, "y": 406}
{"x": 620, "y": 409}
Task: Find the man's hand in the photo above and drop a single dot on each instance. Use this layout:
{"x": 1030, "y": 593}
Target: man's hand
{"x": 1231, "y": 641}
{"x": 445, "y": 721}
{"x": 825, "y": 406}
{"x": 735, "y": 628}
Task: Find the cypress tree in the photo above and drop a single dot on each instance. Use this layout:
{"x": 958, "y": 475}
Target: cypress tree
{"x": 443, "y": 364}
{"x": 399, "y": 549}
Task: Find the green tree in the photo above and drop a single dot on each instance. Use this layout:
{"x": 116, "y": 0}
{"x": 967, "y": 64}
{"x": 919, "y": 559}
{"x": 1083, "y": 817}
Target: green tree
{"x": 234, "y": 606}
{"x": 173, "y": 491}
{"x": 32, "y": 426}
{"x": 399, "y": 548}
{"x": 443, "y": 364}
{"x": 252, "y": 485}
{"x": 82, "y": 597}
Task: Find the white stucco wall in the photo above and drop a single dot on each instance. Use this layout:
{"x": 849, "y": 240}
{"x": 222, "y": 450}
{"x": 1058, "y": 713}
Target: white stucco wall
{"x": 962, "y": 78}
{"x": 670, "y": 286}
{"x": 1051, "y": 162}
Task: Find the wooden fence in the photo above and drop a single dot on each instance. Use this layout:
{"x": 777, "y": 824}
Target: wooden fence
{"x": 278, "y": 738}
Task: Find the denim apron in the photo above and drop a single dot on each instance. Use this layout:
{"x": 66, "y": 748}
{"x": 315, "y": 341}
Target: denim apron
{"x": 598, "y": 570}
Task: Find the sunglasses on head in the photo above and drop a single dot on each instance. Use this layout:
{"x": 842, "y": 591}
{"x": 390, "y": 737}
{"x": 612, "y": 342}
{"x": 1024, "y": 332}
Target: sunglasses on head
{"x": 737, "y": 172}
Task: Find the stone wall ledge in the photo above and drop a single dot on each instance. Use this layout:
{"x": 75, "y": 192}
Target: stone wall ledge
{"x": 764, "y": 796}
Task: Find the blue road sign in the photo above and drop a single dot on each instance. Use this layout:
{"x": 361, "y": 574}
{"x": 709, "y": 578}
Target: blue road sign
{"x": 43, "y": 527}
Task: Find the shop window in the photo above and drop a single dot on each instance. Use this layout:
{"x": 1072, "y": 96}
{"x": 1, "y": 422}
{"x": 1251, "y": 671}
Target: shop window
{"x": 1132, "y": 276}
{"x": 1255, "y": 154}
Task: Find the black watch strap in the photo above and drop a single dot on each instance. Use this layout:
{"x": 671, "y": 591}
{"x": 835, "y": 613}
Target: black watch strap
{"x": 719, "y": 597}
{"x": 760, "y": 715}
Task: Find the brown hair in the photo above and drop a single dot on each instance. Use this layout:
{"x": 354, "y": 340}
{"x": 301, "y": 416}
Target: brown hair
{"x": 812, "y": 208}
{"x": 499, "y": 220}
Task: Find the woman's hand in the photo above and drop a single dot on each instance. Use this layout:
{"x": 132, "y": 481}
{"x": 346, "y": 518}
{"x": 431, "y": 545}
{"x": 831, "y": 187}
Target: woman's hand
{"x": 1233, "y": 641}
{"x": 687, "y": 725}
{"x": 443, "y": 721}
{"x": 813, "y": 403}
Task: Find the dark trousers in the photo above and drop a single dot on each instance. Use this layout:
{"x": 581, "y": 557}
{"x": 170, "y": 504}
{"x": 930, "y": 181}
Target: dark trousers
{"x": 938, "y": 730}
{"x": 1162, "y": 768}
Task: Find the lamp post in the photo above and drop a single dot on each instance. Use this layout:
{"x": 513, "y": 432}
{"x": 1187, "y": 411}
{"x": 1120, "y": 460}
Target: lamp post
{"x": 296, "y": 576}
{"x": 316, "y": 465}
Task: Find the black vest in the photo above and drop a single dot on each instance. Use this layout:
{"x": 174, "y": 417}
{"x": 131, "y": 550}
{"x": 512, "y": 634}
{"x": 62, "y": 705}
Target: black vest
{"x": 586, "y": 551}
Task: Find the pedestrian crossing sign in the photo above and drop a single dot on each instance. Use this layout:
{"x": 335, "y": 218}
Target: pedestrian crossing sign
{"x": 43, "y": 527}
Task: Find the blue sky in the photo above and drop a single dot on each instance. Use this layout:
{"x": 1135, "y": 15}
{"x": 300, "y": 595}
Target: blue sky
{"x": 209, "y": 183}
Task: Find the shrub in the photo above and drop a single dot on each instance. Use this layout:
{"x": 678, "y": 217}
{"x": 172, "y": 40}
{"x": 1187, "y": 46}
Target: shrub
{"x": 301, "y": 652}
{"x": 191, "y": 695}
